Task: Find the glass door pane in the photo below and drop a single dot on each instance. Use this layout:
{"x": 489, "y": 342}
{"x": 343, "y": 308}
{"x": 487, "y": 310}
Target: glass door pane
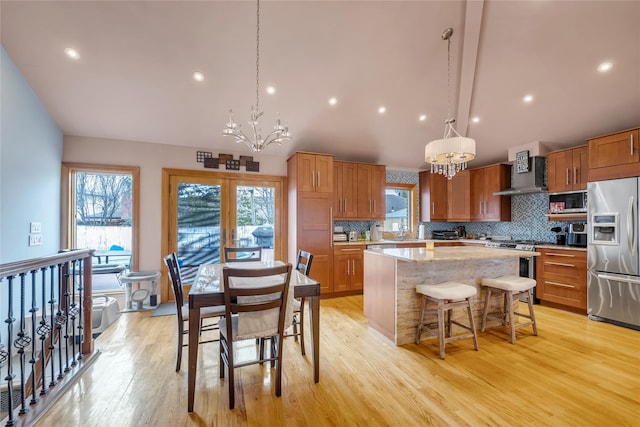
{"x": 197, "y": 230}
{"x": 253, "y": 218}
{"x": 103, "y": 221}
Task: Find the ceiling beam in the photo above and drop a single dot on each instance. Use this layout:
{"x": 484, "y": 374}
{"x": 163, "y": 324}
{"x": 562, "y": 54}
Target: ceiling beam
{"x": 471, "y": 41}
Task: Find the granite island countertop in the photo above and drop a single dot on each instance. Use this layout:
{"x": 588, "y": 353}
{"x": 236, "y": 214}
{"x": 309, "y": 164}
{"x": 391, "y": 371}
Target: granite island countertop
{"x": 450, "y": 253}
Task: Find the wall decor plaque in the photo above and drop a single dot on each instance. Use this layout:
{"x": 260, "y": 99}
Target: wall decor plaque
{"x": 233, "y": 165}
{"x": 245, "y": 159}
{"x": 202, "y": 155}
{"x": 212, "y": 163}
{"x": 522, "y": 161}
{"x": 224, "y": 157}
{"x": 252, "y": 166}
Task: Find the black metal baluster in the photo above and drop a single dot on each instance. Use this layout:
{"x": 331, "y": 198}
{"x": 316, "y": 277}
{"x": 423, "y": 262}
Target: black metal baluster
{"x": 10, "y": 320}
{"x": 61, "y": 318}
{"x": 80, "y": 305}
{"x": 73, "y": 311}
{"x": 66, "y": 312}
{"x": 44, "y": 329}
{"x": 34, "y": 359}
{"x": 21, "y": 343}
{"x": 52, "y": 303}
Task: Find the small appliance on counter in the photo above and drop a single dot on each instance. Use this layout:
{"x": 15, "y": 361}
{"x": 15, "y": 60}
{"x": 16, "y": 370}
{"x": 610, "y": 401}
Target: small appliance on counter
{"x": 340, "y": 236}
{"x": 561, "y": 238}
{"x": 577, "y": 235}
{"x": 353, "y": 236}
{"x": 444, "y": 235}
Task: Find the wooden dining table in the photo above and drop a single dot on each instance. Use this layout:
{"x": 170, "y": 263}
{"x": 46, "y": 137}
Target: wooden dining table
{"x": 206, "y": 292}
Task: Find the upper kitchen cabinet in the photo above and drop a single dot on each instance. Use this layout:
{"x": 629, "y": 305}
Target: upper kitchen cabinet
{"x": 313, "y": 172}
{"x": 345, "y": 193}
{"x": 614, "y": 156}
{"x": 433, "y": 197}
{"x": 567, "y": 169}
{"x": 484, "y": 182}
{"x": 459, "y": 193}
{"x": 371, "y": 191}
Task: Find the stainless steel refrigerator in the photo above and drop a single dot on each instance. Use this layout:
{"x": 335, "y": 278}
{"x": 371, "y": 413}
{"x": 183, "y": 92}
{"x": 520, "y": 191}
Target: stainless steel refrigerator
{"x": 613, "y": 258}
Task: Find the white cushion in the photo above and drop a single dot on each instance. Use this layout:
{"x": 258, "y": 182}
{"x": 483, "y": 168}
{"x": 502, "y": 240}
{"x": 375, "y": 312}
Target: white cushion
{"x": 447, "y": 290}
{"x": 510, "y": 283}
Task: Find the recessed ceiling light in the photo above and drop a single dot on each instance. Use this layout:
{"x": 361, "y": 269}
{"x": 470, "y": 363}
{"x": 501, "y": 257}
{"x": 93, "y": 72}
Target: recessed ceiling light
{"x": 333, "y": 101}
{"x": 270, "y": 90}
{"x": 72, "y": 53}
{"x": 475, "y": 119}
{"x": 422, "y": 117}
{"x": 382, "y": 110}
{"x": 198, "y": 76}
{"x": 604, "y": 67}
{"x": 527, "y": 98}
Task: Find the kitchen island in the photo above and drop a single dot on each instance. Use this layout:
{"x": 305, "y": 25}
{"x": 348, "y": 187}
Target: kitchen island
{"x": 391, "y": 303}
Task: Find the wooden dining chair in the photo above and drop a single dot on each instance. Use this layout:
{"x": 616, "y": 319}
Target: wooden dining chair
{"x": 242, "y": 254}
{"x": 255, "y": 302}
{"x": 303, "y": 265}
{"x": 182, "y": 310}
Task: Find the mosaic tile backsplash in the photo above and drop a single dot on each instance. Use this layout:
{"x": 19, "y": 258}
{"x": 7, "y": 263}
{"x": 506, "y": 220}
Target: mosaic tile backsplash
{"x": 528, "y": 217}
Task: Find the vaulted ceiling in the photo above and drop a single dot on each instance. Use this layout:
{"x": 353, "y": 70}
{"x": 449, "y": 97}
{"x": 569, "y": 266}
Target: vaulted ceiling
{"x": 133, "y": 79}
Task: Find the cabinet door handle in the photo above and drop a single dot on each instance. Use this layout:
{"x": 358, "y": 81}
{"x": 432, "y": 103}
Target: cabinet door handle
{"x": 631, "y": 142}
{"x": 344, "y": 205}
{"x": 313, "y": 179}
{"x": 575, "y": 175}
{"x": 374, "y": 206}
{"x": 566, "y": 179}
{"x": 562, "y": 285}
{"x": 353, "y": 267}
{"x": 562, "y": 264}
{"x": 318, "y": 179}
{"x": 564, "y": 255}
{"x": 331, "y": 225}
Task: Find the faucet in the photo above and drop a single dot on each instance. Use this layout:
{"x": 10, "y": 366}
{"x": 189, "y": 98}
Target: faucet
{"x": 401, "y": 232}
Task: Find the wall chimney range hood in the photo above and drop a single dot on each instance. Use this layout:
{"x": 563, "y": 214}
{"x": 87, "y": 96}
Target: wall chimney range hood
{"x": 532, "y": 181}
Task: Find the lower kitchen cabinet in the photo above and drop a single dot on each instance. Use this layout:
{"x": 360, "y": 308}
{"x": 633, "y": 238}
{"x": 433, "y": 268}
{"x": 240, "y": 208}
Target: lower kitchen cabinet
{"x": 561, "y": 276}
{"x": 348, "y": 268}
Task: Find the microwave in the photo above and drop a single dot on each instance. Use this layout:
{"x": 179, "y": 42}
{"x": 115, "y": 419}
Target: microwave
{"x": 570, "y": 202}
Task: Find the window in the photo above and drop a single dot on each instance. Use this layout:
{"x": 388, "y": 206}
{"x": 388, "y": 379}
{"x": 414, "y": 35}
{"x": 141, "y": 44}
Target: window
{"x": 401, "y": 202}
{"x": 101, "y": 211}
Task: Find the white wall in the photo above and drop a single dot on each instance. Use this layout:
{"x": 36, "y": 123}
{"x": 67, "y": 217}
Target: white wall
{"x": 152, "y": 158}
{"x": 30, "y": 155}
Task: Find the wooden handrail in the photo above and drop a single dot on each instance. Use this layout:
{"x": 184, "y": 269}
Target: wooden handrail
{"x": 25, "y": 266}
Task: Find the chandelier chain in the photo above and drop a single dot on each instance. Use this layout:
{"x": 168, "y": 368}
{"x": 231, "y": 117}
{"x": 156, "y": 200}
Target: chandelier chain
{"x": 449, "y": 76}
{"x": 258, "y": 56}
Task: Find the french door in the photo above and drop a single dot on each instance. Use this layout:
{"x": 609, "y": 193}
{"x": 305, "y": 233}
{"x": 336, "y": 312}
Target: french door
{"x": 206, "y": 212}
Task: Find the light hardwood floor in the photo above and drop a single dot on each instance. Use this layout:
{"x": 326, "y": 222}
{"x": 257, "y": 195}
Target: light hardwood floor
{"x": 577, "y": 372}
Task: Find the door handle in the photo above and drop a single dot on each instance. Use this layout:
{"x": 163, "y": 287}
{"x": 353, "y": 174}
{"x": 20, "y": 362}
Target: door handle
{"x": 631, "y": 231}
{"x": 233, "y": 236}
{"x": 631, "y": 142}
{"x": 313, "y": 179}
{"x": 224, "y": 236}
{"x": 566, "y": 176}
{"x": 575, "y": 175}
{"x": 562, "y": 285}
{"x": 318, "y": 179}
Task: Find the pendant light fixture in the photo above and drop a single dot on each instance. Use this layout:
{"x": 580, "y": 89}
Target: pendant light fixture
{"x": 450, "y": 154}
{"x": 279, "y": 133}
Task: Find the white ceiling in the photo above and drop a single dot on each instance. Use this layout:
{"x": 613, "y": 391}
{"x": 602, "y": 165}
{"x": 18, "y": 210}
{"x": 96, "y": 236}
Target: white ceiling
{"x": 133, "y": 79}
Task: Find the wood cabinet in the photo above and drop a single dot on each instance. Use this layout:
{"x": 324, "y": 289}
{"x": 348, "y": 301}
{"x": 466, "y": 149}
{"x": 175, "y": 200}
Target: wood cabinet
{"x": 483, "y": 183}
{"x": 345, "y": 194}
{"x": 314, "y": 172}
{"x": 614, "y": 156}
{"x": 310, "y": 222}
{"x": 348, "y": 268}
{"x": 567, "y": 169}
{"x": 433, "y": 197}
{"x": 561, "y": 277}
{"x": 458, "y": 195}
{"x": 371, "y": 191}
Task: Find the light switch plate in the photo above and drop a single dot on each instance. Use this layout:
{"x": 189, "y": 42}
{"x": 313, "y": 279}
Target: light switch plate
{"x": 35, "y": 239}
{"x": 35, "y": 227}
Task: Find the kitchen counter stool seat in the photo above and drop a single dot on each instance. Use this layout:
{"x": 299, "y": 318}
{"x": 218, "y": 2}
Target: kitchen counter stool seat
{"x": 448, "y": 295}
{"x": 512, "y": 287}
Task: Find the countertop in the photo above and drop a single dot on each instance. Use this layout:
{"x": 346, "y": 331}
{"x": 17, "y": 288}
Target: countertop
{"x": 450, "y": 253}
{"x": 465, "y": 241}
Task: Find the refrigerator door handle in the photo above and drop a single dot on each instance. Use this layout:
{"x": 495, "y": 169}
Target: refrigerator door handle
{"x": 615, "y": 277}
{"x": 631, "y": 232}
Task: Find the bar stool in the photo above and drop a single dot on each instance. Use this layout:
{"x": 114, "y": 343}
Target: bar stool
{"x": 512, "y": 287}
{"x": 448, "y": 295}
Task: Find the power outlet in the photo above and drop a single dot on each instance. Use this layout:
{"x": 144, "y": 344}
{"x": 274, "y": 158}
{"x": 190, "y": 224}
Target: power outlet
{"x": 35, "y": 239}
{"x": 35, "y": 227}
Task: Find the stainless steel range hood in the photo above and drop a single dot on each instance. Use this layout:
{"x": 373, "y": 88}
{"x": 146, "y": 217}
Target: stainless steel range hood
{"x": 533, "y": 181}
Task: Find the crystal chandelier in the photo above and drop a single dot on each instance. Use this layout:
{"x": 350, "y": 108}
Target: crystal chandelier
{"x": 278, "y": 134}
{"x": 450, "y": 154}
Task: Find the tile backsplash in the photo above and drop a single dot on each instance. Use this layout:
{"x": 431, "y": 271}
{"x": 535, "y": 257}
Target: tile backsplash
{"x": 528, "y": 217}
